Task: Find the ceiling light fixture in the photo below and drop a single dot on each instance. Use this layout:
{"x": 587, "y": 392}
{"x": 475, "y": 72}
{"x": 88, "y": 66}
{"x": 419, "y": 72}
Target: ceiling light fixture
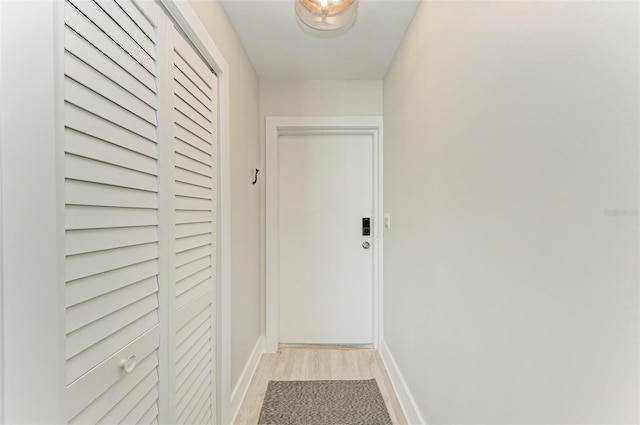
{"x": 327, "y": 15}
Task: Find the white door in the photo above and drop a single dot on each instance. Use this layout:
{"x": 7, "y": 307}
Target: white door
{"x": 326, "y": 281}
{"x": 111, "y": 213}
{"x": 140, "y": 218}
{"x": 194, "y": 187}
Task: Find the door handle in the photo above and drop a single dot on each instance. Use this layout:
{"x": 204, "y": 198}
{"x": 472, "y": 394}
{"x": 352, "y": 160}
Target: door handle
{"x": 129, "y": 364}
{"x": 366, "y": 245}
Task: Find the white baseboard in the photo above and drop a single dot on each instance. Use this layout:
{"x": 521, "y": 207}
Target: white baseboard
{"x": 240, "y": 390}
{"x": 407, "y": 402}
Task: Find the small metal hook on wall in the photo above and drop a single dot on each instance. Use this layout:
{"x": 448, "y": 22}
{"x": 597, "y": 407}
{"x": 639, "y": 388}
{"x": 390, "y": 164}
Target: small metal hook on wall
{"x": 255, "y": 176}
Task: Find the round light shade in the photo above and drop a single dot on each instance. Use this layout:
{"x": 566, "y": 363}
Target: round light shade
{"x": 327, "y": 15}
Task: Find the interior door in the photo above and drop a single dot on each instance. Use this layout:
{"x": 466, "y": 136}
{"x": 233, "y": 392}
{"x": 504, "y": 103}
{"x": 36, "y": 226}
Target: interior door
{"x": 326, "y": 261}
{"x": 194, "y": 186}
{"x": 111, "y": 213}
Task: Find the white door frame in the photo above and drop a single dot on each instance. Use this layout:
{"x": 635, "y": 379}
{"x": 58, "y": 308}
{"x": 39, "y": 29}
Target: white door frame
{"x": 277, "y": 126}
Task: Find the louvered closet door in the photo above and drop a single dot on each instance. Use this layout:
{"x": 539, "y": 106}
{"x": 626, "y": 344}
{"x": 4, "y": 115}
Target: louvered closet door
{"x": 111, "y": 212}
{"x": 195, "y": 90}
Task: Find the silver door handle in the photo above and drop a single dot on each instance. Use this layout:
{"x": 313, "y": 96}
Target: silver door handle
{"x": 366, "y": 245}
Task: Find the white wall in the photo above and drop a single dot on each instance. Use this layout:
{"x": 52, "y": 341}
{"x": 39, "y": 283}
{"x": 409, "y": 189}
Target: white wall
{"x": 320, "y": 97}
{"x": 245, "y": 198}
{"x": 310, "y": 98}
{"x": 510, "y": 295}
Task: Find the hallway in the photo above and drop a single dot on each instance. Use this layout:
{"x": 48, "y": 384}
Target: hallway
{"x": 186, "y": 186}
{"x": 317, "y": 363}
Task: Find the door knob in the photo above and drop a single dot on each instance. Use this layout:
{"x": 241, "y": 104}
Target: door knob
{"x": 129, "y": 364}
{"x": 366, "y": 245}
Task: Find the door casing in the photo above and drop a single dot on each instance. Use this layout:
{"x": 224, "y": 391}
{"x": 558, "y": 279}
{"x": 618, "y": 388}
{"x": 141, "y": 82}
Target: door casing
{"x": 277, "y": 126}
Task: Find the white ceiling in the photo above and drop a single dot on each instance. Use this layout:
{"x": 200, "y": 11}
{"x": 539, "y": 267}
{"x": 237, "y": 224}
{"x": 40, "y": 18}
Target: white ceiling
{"x": 280, "y": 49}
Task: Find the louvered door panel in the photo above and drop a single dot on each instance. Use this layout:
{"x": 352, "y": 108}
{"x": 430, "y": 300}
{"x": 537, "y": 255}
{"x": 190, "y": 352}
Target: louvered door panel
{"x": 194, "y": 144}
{"x": 111, "y": 212}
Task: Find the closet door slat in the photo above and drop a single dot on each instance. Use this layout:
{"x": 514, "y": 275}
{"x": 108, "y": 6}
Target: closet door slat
{"x": 139, "y": 410}
{"x": 193, "y": 204}
{"x": 87, "y": 123}
{"x": 202, "y": 276}
{"x": 187, "y": 70}
{"x": 187, "y": 405}
{"x": 136, "y": 16}
{"x": 89, "y": 100}
{"x": 188, "y": 217}
{"x": 190, "y": 255}
{"x": 191, "y": 374}
{"x": 97, "y": 217}
{"x": 151, "y": 416}
{"x": 89, "y": 170}
{"x": 82, "y": 25}
{"x": 191, "y": 126}
{"x": 92, "y": 240}
{"x": 113, "y": 9}
{"x": 189, "y": 335}
{"x": 189, "y": 294}
{"x": 192, "y": 267}
{"x": 192, "y": 101}
{"x": 183, "y": 189}
{"x": 90, "y": 311}
{"x": 189, "y": 56}
{"x": 89, "y": 147}
{"x": 86, "y": 75}
{"x": 109, "y": 27}
{"x": 192, "y": 153}
{"x": 189, "y": 138}
{"x": 81, "y": 290}
{"x": 183, "y": 81}
{"x": 86, "y": 52}
{"x": 192, "y": 113}
{"x": 187, "y": 176}
{"x": 193, "y": 354}
{"x": 203, "y": 402}
{"x": 90, "y": 194}
{"x": 90, "y": 263}
{"x": 148, "y": 10}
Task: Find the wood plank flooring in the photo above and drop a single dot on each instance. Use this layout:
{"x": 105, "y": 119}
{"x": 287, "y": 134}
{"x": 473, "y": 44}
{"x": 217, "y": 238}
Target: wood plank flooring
{"x": 317, "y": 363}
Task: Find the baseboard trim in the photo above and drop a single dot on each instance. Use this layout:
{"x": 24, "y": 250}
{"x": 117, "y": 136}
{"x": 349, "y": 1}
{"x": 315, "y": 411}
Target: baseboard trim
{"x": 240, "y": 390}
{"x": 407, "y": 402}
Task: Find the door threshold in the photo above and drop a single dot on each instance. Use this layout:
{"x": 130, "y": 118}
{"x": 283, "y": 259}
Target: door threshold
{"x": 328, "y": 346}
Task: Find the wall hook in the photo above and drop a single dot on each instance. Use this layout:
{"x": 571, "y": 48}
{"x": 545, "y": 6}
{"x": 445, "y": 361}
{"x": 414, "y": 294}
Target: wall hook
{"x": 255, "y": 176}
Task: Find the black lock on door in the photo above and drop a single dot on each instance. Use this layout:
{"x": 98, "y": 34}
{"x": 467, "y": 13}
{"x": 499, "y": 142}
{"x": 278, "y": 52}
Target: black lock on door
{"x": 366, "y": 226}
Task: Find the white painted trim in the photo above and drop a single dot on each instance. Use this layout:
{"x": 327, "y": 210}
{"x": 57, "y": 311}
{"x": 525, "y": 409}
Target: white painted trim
{"x": 301, "y": 125}
{"x": 240, "y": 391}
{"x": 189, "y": 22}
{"x": 2, "y": 419}
{"x": 407, "y": 402}
{"x": 31, "y": 129}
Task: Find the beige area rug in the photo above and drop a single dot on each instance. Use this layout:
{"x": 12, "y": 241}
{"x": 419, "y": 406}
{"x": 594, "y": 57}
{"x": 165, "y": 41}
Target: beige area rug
{"x": 324, "y": 403}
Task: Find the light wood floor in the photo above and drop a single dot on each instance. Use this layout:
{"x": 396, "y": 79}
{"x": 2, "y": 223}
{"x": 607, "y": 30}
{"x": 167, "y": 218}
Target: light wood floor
{"x": 305, "y": 363}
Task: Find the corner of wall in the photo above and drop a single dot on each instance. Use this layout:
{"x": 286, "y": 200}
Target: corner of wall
{"x": 240, "y": 390}
{"x": 407, "y": 402}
